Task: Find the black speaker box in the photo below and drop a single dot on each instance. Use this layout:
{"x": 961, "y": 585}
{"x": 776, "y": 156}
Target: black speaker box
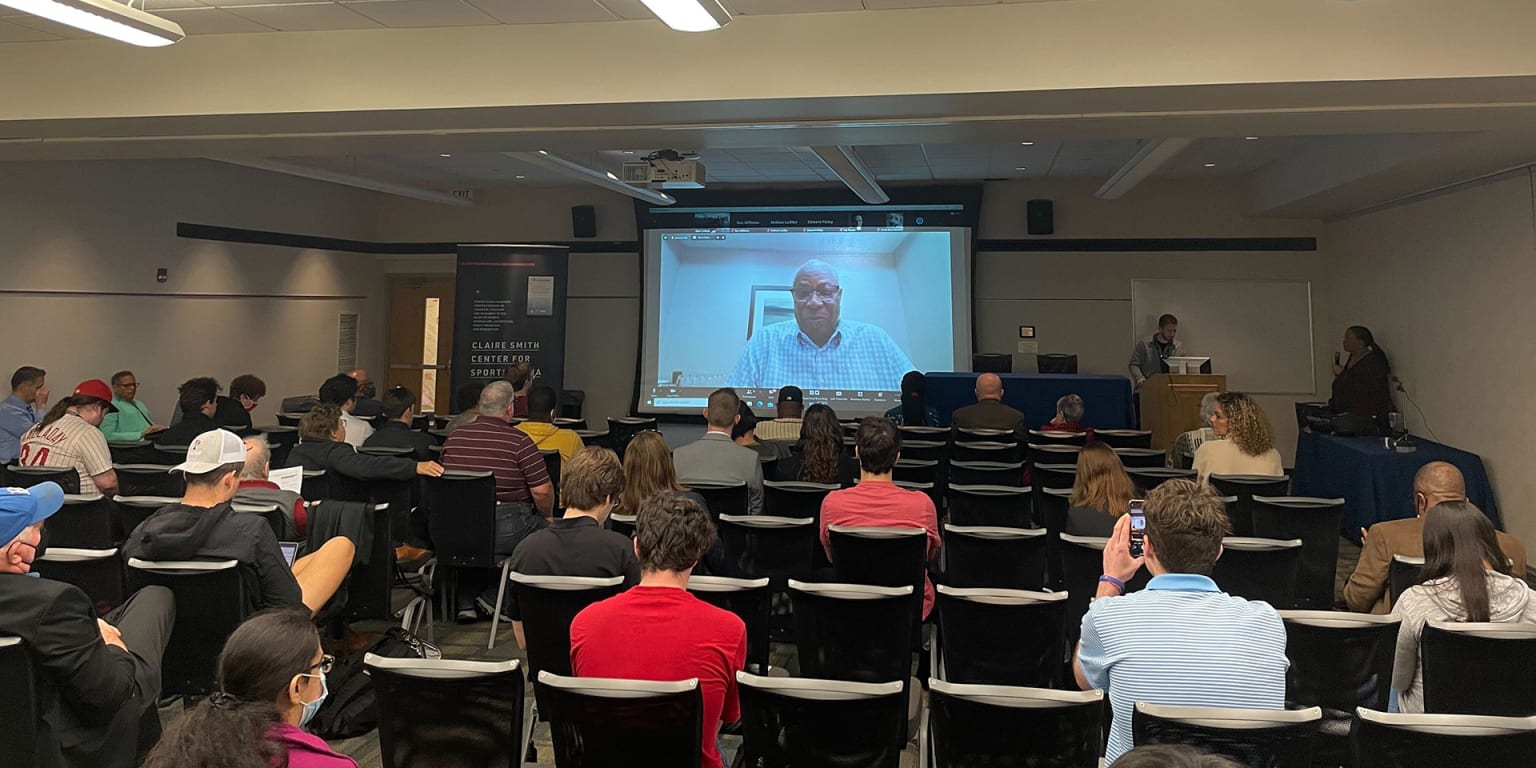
{"x": 1040, "y": 215}
{"x": 583, "y": 221}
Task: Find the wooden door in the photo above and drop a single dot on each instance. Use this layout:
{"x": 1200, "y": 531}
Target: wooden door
{"x": 421, "y": 339}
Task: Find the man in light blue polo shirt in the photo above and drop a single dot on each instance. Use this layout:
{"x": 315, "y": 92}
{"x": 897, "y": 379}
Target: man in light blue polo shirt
{"x": 1181, "y": 641}
{"x": 21, "y": 410}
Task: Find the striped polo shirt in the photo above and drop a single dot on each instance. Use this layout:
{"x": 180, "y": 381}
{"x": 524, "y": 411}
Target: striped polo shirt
{"x": 489, "y": 444}
{"x": 1182, "y": 642}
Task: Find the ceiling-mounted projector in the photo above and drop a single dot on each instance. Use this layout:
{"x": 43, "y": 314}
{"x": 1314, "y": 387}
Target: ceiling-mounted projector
{"x": 665, "y": 169}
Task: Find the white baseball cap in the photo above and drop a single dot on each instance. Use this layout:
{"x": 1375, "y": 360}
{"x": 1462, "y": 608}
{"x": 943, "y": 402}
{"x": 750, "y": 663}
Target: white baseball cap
{"x": 212, "y": 450}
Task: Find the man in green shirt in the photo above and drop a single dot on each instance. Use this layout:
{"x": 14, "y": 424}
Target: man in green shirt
{"x": 132, "y": 420}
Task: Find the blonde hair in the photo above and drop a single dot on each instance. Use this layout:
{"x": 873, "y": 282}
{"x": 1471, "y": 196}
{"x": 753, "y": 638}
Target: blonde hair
{"x": 647, "y": 469}
{"x": 1248, "y": 427}
{"x": 1101, "y": 482}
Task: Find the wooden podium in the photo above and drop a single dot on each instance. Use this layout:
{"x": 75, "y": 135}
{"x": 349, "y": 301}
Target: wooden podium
{"x": 1170, "y": 404}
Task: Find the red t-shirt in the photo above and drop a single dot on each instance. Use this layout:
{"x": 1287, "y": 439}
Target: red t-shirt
{"x": 883, "y": 505}
{"x": 662, "y": 633}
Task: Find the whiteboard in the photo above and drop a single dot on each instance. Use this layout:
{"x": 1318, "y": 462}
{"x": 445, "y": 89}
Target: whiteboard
{"x": 1257, "y": 332}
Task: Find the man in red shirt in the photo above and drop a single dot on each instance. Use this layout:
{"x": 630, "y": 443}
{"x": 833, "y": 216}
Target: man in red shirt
{"x": 877, "y": 501}
{"x": 660, "y": 631}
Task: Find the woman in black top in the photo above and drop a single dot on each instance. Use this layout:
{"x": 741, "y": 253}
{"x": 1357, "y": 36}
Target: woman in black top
{"x": 1361, "y": 384}
{"x": 821, "y": 458}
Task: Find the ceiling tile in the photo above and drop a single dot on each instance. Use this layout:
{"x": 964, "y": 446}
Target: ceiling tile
{"x": 16, "y": 33}
{"x": 422, "y": 13}
{"x": 156, "y": 6}
{"x": 770, "y": 7}
{"x": 212, "y": 21}
{"x": 882, "y": 5}
{"x": 544, "y": 11}
{"x": 305, "y": 18}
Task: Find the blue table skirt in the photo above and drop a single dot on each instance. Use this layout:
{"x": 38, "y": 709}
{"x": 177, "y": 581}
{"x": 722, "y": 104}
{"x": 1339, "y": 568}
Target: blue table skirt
{"x": 1107, "y": 399}
{"x": 1377, "y": 482}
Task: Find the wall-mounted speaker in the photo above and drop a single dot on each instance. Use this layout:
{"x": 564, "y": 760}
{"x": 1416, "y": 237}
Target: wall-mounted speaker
{"x": 1040, "y": 216}
{"x": 584, "y": 221}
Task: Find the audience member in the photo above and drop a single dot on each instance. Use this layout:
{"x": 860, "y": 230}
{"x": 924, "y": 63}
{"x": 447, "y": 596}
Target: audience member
{"x": 366, "y": 407}
{"x": 1248, "y": 444}
{"x": 648, "y": 469}
{"x": 466, "y": 403}
{"x": 197, "y": 399}
{"x": 272, "y": 681}
{"x": 255, "y": 488}
{"x": 1181, "y": 641}
{"x": 877, "y": 501}
{"x": 97, "y": 680}
{"x": 660, "y": 631}
{"x": 525, "y": 497}
{"x": 540, "y": 425}
{"x": 1101, "y": 493}
{"x": 786, "y": 422}
{"x": 68, "y": 436}
{"x": 745, "y": 434}
{"x": 821, "y": 458}
{"x": 716, "y": 459}
{"x": 1435, "y": 483}
{"x": 131, "y": 421}
{"x": 1172, "y": 756}
{"x": 323, "y": 445}
{"x": 1069, "y": 417}
{"x": 341, "y": 391}
{"x": 233, "y": 412}
{"x": 914, "y": 410}
{"x": 520, "y": 376}
{"x": 578, "y": 544}
{"x": 205, "y": 526}
{"x": 21, "y": 410}
{"x": 400, "y": 408}
{"x": 1466, "y": 579}
{"x": 989, "y": 412}
{"x": 1184, "y": 446}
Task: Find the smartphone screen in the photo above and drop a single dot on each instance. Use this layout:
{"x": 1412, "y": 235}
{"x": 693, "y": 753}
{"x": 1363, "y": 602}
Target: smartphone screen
{"x": 1138, "y": 527}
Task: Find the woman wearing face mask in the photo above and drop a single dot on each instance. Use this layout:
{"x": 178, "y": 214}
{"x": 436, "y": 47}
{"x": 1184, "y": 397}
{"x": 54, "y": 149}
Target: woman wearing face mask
{"x": 271, "y": 684}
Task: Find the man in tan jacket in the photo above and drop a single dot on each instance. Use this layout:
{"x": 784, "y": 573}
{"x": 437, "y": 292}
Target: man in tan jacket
{"x": 1435, "y": 482}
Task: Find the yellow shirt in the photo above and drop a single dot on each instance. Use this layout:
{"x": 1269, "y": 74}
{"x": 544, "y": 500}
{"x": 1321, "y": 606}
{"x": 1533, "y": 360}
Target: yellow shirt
{"x": 548, "y": 437}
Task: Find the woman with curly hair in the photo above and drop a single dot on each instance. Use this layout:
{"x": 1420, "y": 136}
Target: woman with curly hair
{"x": 821, "y": 458}
{"x": 1246, "y": 445}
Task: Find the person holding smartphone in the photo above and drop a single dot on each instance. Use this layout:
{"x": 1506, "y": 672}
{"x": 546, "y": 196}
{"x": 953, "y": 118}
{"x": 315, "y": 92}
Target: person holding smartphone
{"x": 1181, "y": 641}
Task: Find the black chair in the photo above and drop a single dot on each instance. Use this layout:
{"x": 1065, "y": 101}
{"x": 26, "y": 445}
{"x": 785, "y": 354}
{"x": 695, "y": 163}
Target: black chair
{"x": 1339, "y": 661}
{"x": 1245, "y": 487}
{"x": 1404, "y": 572}
{"x": 26, "y": 745}
{"x": 994, "y": 557}
{"x": 722, "y": 499}
{"x": 1259, "y": 569}
{"x": 552, "y": 465}
{"x": 1053, "y": 453}
{"x": 1051, "y": 507}
{"x": 131, "y": 451}
{"x": 989, "y": 505}
{"x": 1124, "y": 438}
{"x": 766, "y": 546}
{"x": 574, "y": 424}
{"x": 986, "y": 473}
{"x": 316, "y": 486}
{"x": 281, "y": 440}
{"x": 1062, "y": 476}
{"x": 1316, "y": 523}
{"x": 461, "y": 519}
{"x": 170, "y": 454}
{"x": 547, "y": 605}
{"x": 882, "y": 557}
{"x": 210, "y": 603}
{"x": 916, "y": 432}
{"x": 26, "y": 477}
{"x": 132, "y": 510}
{"x": 1057, "y": 437}
{"x": 602, "y": 723}
{"x": 594, "y": 439}
{"x": 1258, "y": 738}
{"x": 924, "y": 450}
{"x": 448, "y": 714}
{"x": 750, "y": 600}
{"x": 795, "y": 499}
{"x": 996, "y": 453}
{"x": 800, "y": 722}
{"x": 1382, "y": 740}
{"x": 1000, "y": 636}
{"x": 624, "y": 524}
{"x": 372, "y": 579}
{"x": 1141, "y": 458}
{"x": 84, "y": 522}
{"x": 916, "y": 470}
{"x": 854, "y": 632}
{"x": 149, "y": 480}
{"x": 969, "y": 726}
{"x": 992, "y": 362}
{"x": 97, "y": 572}
{"x": 379, "y": 450}
{"x": 969, "y": 435}
{"x": 1082, "y": 561}
{"x": 1150, "y": 478}
{"x": 271, "y": 512}
{"x": 1056, "y": 362}
{"x": 289, "y": 419}
{"x": 622, "y": 430}
{"x": 1479, "y": 668}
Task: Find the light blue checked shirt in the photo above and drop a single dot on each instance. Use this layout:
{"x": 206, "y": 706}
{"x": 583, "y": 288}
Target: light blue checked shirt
{"x": 858, "y": 356}
{"x": 16, "y": 417}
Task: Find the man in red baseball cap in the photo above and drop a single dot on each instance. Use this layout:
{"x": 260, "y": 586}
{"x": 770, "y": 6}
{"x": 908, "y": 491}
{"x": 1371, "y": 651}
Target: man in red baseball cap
{"x": 68, "y": 436}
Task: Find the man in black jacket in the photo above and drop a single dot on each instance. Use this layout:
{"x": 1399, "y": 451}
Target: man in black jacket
{"x": 400, "y": 409}
{"x": 196, "y": 399}
{"x": 98, "y": 680}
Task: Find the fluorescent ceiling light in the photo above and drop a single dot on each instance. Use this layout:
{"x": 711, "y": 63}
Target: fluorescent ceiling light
{"x": 106, "y": 18}
{"x": 690, "y": 15}
{"x": 845, "y": 163}
{"x": 564, "y": 167}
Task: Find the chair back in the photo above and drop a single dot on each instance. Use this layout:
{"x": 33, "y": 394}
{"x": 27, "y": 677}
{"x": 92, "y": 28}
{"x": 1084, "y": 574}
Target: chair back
{"x": 1404, "y": 572}
{"x": 316, "y": 486}
{"x": 1053, "y": 453}
{"x": 1001, "y": 636}
{"x": 84, "y": 522}
{"x": 1259, "y": 569}
{"x": 1479, "y": 668}
{"x": 382, "y": 450}
{"x": 853, "y": 631}
{"x": 986, "y": 473}
{"x": 1280, "y": 738}
{"x": 977, "y": 435}
{"x": 1042, "y": 438}
{"x": 996, "y": 452}
{"x": 722, "y": 499}
{"x": 924, "y": 448}
{"x": 994, "y": 557}
{"x": 132, "y": 510}
{"x": 1316, "y": 522}
{"x": 97, "y": 572}
{"x": 271, "y": 512}
{"x": 1056, "y": 362}
{"x": 455, "y": 714}
{"x": 914, "y": 470}
{"x": 622, "y": 430}
{"x": 461, "y": 518}
{"x": 1339, "y": 661}
{"x": 1082, "y": 560}
{"x": 602, "y": 723}
{"x": 1149, "y": 478}
{"x": 749, "y": 599}
{"x": 20, "y": 707}
{"x": 26, "y": 477}
{"x": 210, "y": 603}
{"x": 990, "y": 505}
{"x": 131, "y": 451}
{"x": 624, "y": 524}
{"x": 795, "y": 499}
{"x": 548, "y": 604}
{"x": 768, "y": 546}
{"x": 995, "y": 725}
{"x": 1062, "y": 476}
{"x": 1383, "y": 740}
{"x": 552, "y": 465}
{"x": 1245, "y": 487}
{"x": 789, "y": 722}
{"x": 149, "y": 480}
{"x": 282, "y": 439}
{"x": 1051, "y": 507}
{"x": 370, "y": 585}
{"x": 1124, "y": 438}
{"x": 1142, "y": 458}
{"x": 881, "y": 557}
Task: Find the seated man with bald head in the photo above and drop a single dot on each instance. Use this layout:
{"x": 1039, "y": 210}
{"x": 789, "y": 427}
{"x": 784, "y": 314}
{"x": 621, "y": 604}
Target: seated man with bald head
{"x": 1435, "y": 482}
{"x": 989, "y": 412}
{"x": 821, "y": 349}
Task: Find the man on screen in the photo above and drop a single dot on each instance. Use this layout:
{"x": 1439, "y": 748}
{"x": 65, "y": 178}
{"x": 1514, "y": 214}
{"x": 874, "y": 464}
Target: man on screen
{"x": 820, "y": 349}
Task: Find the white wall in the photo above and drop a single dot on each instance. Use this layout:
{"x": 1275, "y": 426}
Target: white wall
{"x": 78, "y": 295}
{"x": 1446, "y": 285}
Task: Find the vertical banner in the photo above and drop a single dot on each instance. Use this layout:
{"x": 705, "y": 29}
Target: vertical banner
{"x": 509, "y": 308}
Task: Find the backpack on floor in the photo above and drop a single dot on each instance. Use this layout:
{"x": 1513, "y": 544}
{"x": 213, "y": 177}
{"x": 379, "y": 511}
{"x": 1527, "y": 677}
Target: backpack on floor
{"x": 351, "y": 709}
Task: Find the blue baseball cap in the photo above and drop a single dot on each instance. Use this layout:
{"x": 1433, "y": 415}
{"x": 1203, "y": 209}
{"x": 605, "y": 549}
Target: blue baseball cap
{"x": 22, "y": 508}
